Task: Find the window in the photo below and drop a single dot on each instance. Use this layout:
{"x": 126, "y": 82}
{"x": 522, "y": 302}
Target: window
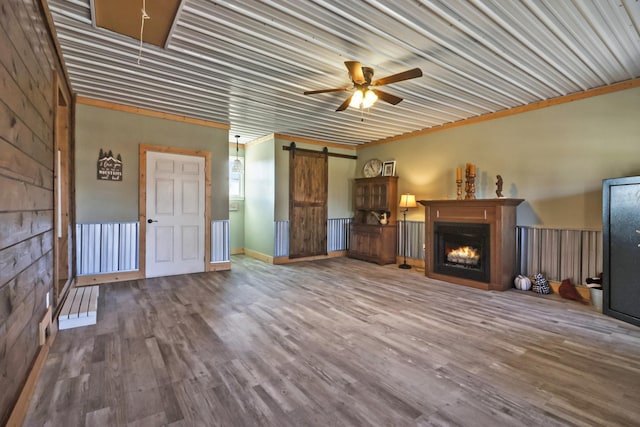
{"x": 236, "y": 181}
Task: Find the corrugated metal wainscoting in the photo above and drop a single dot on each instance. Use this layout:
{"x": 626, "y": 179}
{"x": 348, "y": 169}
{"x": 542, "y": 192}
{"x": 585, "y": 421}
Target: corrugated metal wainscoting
{"x": 415, "y": 239}
{"x": 337, "y": 236}
{"x": 106, "y": 247}
{"x": 559, "y": 253}
{"x": 220, "y": 241}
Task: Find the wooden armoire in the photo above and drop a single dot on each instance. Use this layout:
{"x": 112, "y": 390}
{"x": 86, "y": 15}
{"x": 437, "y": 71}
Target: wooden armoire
{"x": 370, "y": 240}
{"x": 621, "y": 248}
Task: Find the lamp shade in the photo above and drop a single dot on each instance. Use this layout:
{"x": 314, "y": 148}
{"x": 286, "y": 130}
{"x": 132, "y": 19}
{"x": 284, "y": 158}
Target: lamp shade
{"x": 237, "y": 166}
{"x": 356, "y": 99}
{"x": 408, "y": 201}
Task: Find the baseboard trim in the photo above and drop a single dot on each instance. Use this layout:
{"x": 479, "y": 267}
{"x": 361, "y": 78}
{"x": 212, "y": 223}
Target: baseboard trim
{"x": 582, "y": 290}
{"x": 19, "y": 411}
{"x": 258, "y": 255}
{"x": 287, "y": 260}
{"x": 219, "y": 266}
{"x": 96, "y": 279}
{"x": 411, "y": 261}
{"x": 238, "y": 251}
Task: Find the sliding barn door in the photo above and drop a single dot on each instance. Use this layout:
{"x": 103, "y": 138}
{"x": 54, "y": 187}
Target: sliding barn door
{"x": 308, "y": 184}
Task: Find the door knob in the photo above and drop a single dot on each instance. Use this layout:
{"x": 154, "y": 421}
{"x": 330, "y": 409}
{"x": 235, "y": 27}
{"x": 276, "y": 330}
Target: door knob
{"x": 152, "y": 220}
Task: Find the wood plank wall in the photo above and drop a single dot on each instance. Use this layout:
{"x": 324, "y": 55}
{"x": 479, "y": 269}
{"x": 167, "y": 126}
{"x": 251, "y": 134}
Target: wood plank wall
{"x": 27, "y": 60}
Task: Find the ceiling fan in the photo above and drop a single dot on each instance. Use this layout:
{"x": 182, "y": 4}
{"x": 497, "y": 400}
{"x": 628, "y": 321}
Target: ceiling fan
{"x": 365, "y": 93}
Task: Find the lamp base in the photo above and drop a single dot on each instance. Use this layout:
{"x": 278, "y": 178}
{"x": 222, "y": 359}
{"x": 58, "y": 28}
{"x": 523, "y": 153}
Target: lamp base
{"x": 404, "y": 266}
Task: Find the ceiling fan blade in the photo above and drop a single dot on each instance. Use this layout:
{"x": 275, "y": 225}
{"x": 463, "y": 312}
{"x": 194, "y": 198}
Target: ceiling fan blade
{"x": 336, "y": 89}
{"x": 355, "y": 71}
{"x": 391, "y": 99}
{"x": 405, "y": 75}
{"x": 344, "y": 105}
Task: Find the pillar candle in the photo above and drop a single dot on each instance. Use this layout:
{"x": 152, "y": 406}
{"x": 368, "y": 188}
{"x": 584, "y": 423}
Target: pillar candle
{"x": 458, "y": 174}
{"x": 472, "y": 169}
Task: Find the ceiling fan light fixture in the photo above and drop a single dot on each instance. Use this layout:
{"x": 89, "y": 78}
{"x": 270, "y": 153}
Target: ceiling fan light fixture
{"x": 356, "y": 99}
{"x": 370, "y": 98}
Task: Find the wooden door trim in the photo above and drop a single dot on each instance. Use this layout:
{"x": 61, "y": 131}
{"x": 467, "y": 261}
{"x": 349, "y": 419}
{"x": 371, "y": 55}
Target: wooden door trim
{"x": 62, "y": 143}
{"x": 142, "y": 199}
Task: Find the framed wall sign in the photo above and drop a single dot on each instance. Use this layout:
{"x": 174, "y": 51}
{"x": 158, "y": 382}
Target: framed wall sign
{"x": 109, "y": 167}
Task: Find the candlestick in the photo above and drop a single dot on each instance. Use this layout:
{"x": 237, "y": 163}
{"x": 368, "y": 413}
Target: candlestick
{"x": 459, "y": 189}
{"x": 470, "y": 183}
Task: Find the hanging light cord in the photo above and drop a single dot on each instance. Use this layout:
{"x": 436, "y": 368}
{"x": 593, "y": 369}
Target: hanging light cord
{"x": 145, "y": 16}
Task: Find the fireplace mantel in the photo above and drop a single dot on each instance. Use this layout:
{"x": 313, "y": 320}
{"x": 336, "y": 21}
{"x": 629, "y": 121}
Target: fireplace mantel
{"x": 500, "y": 214}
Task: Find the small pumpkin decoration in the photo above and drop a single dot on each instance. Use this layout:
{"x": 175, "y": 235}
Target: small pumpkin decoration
{"x": 522, "y": 282}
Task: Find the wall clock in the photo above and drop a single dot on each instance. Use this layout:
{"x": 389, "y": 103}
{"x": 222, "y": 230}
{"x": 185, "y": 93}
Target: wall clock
{"x": 372, "y": 168}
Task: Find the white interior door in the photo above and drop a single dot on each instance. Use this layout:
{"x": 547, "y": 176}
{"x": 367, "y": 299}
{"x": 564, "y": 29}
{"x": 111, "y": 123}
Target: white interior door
{"x": 175, "y": 214}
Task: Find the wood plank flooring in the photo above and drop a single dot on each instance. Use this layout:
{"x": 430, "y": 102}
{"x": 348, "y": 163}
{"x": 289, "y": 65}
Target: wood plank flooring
{"x": 337, "y": 342}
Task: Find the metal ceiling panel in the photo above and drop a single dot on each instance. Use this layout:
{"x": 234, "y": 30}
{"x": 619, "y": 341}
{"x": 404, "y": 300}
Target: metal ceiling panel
{"x": 248, "y": 63}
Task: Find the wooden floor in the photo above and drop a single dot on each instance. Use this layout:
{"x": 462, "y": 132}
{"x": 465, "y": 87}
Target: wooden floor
{"x": 337, "y": 342}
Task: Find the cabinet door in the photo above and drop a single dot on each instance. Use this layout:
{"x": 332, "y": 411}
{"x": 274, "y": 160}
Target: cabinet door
{"x": 362, "y": 196}
{"x": 379, "y": 196}
{"x": 622, "y": 244}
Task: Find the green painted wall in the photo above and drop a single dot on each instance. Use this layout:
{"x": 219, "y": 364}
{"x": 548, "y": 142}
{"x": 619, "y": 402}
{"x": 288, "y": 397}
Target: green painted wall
{"x": 341, "y": 175}
{"x": 555, "y": 158}
{"x": 122, "y": 133}
{"x": 259, "y": 197}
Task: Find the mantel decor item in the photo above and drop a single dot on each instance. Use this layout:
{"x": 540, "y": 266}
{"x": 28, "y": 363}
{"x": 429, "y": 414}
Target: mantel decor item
{"x": 458, "y": 184}
{"x": 470, "y": 183}
{"x": 406, "y": 201}
{"x": 499, "y": 187}
{"x": 372, "y": 168}
{"x": 389, "y": 168}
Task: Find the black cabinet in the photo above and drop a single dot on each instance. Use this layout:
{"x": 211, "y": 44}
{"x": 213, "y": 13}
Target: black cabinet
{"x": 621, "y": 241}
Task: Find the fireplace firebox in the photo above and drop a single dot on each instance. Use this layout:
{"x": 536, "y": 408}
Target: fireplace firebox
{"x": 462, "y": 250}
{"x": 483, "y": 233}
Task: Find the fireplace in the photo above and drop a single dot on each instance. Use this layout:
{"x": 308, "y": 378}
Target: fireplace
{"x": 471, "y": 242}
{"x": 462, "y": 250}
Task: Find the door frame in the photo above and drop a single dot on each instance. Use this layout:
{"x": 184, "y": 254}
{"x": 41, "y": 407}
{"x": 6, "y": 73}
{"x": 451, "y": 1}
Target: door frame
{"x": 142, "y": 200}
{"x": 63, "y": 204}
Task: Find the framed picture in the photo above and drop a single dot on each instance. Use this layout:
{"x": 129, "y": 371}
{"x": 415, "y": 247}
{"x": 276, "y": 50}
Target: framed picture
{"x": 389, "y": 168}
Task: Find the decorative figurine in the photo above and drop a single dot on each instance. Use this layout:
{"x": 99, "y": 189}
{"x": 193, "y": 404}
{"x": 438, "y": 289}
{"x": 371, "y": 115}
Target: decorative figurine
{"x": 499, "y": 187}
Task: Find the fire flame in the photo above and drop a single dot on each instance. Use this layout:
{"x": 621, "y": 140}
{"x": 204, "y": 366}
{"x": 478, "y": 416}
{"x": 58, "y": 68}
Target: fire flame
{"x": 464, "y": 255}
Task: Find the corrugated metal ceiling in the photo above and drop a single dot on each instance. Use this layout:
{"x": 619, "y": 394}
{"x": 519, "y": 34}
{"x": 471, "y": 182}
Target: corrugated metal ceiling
{"x": 247, "y": 63}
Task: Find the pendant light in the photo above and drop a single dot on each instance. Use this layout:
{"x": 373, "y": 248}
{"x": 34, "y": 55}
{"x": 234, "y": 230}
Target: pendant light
{"x": 237, "y": 164}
